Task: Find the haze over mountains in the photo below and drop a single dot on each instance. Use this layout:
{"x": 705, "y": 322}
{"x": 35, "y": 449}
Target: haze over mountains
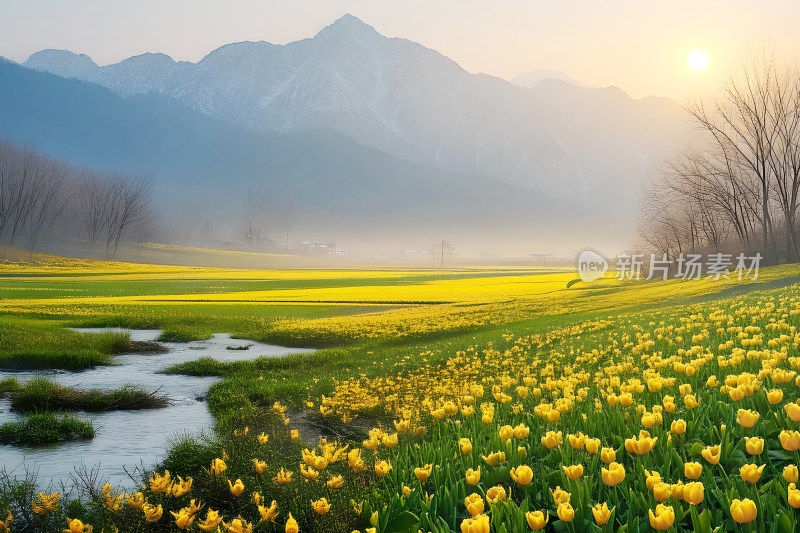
{"x": 360, "y": 128}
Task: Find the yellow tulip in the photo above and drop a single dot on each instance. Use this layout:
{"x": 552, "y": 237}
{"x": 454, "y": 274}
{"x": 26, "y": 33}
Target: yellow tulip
{"x": 260, "y": 466}
{"x": 321, "y": 506}
{"x": 754, "y": 445}
{"x": 692, "y": 470}
{"x": 573, "y": 472}
{"x": 423, "y": 473}
{"x": 269, "y": 514}
{"x": 236, "y": 488}
{"x": 73, "y": 526}
{"x": 505, "y": 432}
{"x": 495, "y": 458}
{"x": 751, "y": 473}
{"x": 577, "y": 441}
{"x": 626, "y": 399}
{"x": 382, "y": 468}
{"x": 465, "y": 445}
{"x": 612, "y": 475}
{"x": 291, "y": 525}
{"x": 712, "y": 454}
{"x": 592, "y": 445}
{"x": 537, "y": 519}
{"x": 794, "y": 496}
{"x": 160, "y": 484}
{"x": 747, "y": 418}
{"x": 136, "y": 501}
{"x": 601, "y": 514}
{"x": 651, "y": 478}
{"x": 152, "y": 512}
{"x": 183, "y": 518}
{"x": 551, "y": 439}
{"x": 521, "y": 431}
{"x": 560, "y": 496}
{"x": 474, "y": 504}
{"x": 641, "y": 445}
{"x": 473, "y": 476}
{"x": 693, "y": 492}
{"x": 496, "y": 494}
{"x": 677, "y": 490}
{"x": 5, "y": 525}
{"x": 790, "y": 473}
{"x": 218, "y": 466}
{"x": 678, "y": 427}
{"x": 662, "y": 491}
{"x": 402, "y": 426}
{"x": 743, "y": 511}
{"x": 775, "y": 396}
{"x": 335, "y": 482}
{"x": 522, "y": 475}
{"x": 690, "y": 401}
{"x": 608, "y": 455}
{"x": 663, "y": 518}
{"x": 790, "y": 440}
{"x": 211, "y": 521}
{"x": 476, "y": 524}
{"x": 44, "y": 504}
{"x": 263, "y": 438}
{"x": 793, "y": 410}
{"x": 238, "y": 525}
{"x": 565, "y": 512}
{"x": 283, "y": 477}
{"x": 181, "y": 486}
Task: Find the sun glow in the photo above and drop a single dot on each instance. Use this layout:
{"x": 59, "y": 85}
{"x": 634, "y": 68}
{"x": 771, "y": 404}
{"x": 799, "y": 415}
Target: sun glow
{"x": 697, "y": 60}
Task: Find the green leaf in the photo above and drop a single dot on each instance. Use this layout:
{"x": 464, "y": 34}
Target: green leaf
{"x": 405, "y": 522}
{"x": 783, "y": 524}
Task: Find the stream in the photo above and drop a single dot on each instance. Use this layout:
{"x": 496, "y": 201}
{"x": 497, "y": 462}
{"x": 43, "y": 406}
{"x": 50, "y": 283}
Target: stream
{"x": 131, "y": 438}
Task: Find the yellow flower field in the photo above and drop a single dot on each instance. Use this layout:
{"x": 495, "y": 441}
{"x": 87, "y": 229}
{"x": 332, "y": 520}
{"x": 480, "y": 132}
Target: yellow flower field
{"x": 485, "y": 400}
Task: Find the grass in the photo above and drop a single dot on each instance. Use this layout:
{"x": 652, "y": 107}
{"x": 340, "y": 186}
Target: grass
{"x": 8, "y": 385}
{"x": 28, "y": 343}
{"x": 45, "y": 428}
{"x": 205, "y": 366}
{"x": 41, "y": 394}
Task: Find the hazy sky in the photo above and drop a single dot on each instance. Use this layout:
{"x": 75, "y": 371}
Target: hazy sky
{"x": 638, "y": 45}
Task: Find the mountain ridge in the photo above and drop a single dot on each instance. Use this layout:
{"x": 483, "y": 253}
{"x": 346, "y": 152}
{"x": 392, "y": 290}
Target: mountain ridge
{"x": 406, "y": 100}
{"x": 346, "y": 192}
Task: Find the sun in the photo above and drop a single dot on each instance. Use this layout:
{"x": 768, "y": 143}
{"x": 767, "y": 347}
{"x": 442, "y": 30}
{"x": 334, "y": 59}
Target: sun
{"x": 697, "y": 60}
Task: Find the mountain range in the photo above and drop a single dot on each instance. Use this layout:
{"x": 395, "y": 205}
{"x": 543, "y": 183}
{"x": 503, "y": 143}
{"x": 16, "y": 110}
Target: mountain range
{"x": 378, "y": 114}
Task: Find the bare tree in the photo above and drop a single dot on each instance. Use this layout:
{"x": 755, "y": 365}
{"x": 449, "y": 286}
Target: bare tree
{"x": 52, "y": 199}
{"x": 741, "y": 189}
{"x": 93, "y": 204}
{"x": 128, "y": 206}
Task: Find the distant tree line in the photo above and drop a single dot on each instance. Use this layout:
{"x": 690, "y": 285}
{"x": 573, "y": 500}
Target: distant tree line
{"x": 740, "y": 191}
{"x": 43, "y": 197}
